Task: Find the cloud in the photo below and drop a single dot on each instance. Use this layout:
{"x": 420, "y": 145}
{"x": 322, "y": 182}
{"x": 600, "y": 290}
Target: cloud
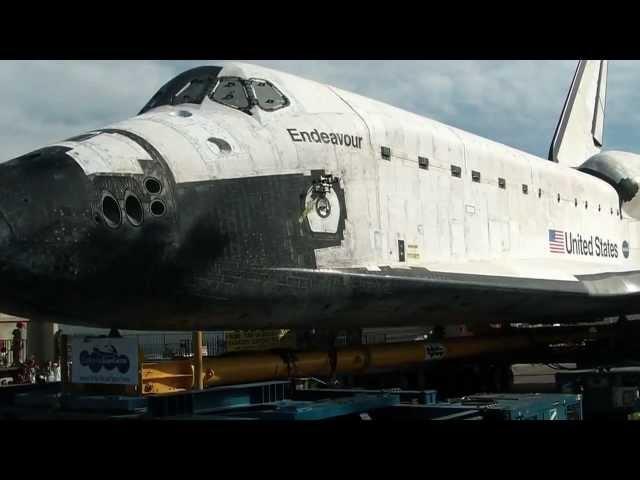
{"x": 513, "y": 102}
{"x": 46, "y": 101}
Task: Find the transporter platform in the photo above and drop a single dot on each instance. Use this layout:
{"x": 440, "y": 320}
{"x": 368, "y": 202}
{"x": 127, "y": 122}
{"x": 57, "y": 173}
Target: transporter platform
{"x": 282, "y": 401}
{"x": 109, "y": 378}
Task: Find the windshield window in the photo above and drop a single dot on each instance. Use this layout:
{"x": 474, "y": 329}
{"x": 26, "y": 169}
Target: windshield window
{"x": 193, "y": 92}
{"x": 267, "y": 96}
{"x": 188, "y": 87}
{"x": 230, "y": 91}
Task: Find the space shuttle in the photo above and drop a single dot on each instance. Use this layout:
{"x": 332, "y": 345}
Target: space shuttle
{"x": 242, "y": 197}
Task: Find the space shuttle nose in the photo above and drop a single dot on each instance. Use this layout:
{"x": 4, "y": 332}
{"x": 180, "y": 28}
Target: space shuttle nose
{"x": 43, "y": 201}
{"x": 57, "y": 247}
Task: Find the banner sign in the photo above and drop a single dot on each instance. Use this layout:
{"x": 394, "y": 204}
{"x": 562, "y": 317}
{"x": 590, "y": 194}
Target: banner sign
{"x": 112, "y": 361}
{"x": 238, "y": 340}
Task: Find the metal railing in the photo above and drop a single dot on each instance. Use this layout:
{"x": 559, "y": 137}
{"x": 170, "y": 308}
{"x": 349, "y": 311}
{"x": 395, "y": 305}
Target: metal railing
{"x": 7, "y": 358}
{"x": 163, "y": 346}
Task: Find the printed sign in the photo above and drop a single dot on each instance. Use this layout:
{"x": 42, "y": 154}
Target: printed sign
{"x": 413, "y": 253}
{"x": 257, "y": 340}
{"x": 112, "y": 361}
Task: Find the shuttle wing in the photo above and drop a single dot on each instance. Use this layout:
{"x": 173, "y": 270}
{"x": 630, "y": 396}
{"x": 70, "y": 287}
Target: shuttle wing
{"x": 534, "y": 290}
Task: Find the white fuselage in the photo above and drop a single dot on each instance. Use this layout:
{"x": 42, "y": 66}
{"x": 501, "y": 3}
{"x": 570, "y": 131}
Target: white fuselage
{"x": 461, "y": 223}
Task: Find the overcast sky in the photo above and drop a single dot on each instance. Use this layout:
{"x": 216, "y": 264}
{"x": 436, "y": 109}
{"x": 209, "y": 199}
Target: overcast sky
{"x": 513, "y": 102}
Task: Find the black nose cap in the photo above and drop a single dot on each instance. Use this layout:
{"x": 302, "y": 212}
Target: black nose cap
{"x": 39, "y": 192}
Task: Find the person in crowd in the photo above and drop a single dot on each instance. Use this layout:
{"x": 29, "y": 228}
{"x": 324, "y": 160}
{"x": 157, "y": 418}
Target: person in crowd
{"x": 41, "y": 374}
{"x": 57, "y": 374}
{"x": 24, "y": 373}
{"x": 32, "y": 367}
{"x": 16, "y": 343}
{"x": 22, "y": 376}
{"x": 48, "y": 373}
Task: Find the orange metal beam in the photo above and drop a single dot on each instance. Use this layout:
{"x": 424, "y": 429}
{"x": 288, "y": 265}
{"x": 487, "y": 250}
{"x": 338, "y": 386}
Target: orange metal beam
{"x": 168, "y": 376}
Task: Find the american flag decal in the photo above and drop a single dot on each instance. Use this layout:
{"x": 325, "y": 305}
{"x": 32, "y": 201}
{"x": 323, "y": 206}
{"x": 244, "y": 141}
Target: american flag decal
{"x": 556, "y": 241}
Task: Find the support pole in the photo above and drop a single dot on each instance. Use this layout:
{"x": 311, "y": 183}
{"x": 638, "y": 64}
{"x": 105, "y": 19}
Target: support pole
{"x": 198, "y": 383}
{"x": 40, "y": 340}
{"x": 64, "y": 363}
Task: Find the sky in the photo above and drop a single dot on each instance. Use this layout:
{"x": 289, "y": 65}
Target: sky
{"x": 513, "y": 102}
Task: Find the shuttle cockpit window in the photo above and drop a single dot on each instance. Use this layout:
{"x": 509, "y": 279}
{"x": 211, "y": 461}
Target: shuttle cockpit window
{"x": 231, "y": 92}
{"x": 192, "y": 92}
{"x": 245, "y": 94}
{"x": 267, "y": 96}
{"x": 189, "y": 87}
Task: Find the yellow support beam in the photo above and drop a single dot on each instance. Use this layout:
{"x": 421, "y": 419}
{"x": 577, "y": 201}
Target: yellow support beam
{"x": 177, "y": 375}
{"x": 167, "y": 376}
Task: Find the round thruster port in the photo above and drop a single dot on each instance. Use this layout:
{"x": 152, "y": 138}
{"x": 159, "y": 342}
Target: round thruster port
{"x": 153, "y": 185}
{"x": 133, "y": 209}
{"x": 158, "y": 208}
{"x": 111, "y": 210}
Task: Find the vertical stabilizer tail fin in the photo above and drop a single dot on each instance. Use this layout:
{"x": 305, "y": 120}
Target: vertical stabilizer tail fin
{"x": 579, "y": 134}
